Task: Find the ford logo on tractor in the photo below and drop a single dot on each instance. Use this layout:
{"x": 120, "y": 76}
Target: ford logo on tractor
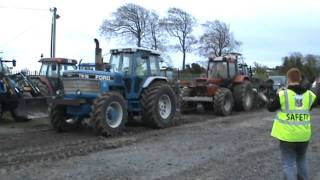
{"x": 102, "y": 77}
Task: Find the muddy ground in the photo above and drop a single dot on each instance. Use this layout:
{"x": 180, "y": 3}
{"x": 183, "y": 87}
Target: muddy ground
{"x": 201, "y": 146}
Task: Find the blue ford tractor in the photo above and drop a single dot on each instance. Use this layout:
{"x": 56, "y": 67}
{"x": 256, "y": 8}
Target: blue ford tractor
{"x": 132, "y": 87}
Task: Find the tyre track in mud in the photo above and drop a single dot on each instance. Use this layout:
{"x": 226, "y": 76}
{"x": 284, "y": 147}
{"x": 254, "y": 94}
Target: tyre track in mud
{"x": 27, "y": 150}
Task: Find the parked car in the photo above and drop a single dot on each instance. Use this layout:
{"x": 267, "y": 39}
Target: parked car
{"x": 279, "y": 82}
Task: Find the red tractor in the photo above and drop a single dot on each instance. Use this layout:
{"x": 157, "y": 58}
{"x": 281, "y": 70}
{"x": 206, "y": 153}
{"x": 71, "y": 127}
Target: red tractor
{"x": 48, "y": 80}
{"x": 225, "y": 87}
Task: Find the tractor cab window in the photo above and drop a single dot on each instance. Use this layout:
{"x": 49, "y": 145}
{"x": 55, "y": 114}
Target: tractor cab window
{"x": 66, "y": 67}
{"x": 243, "y": 69}
{"x": 53, "y": 70}
{"x": 115, "y": 62}
{"x": 232, "y": 69}
{"x": 154, "y": 66}
{"x": 141, "y": 68}
{"x": 43, "y": 69}
{"x": 218, "y": 69}
{"x": 120, "y": 62}
{"x": 126, "y": 63}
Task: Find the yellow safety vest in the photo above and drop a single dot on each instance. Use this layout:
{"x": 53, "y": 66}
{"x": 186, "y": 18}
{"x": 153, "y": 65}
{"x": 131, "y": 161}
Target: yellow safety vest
{"x": 292, "y": 123}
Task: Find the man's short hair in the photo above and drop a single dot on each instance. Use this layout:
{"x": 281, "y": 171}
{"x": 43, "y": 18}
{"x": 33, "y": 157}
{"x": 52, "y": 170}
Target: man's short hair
{"x": 294, "y": 75}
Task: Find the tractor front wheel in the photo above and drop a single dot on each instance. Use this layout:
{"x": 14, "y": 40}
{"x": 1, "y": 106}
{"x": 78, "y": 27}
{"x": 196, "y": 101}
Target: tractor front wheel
{"x": 0, "y": 110}
{"x": 109, "y": 114}
{"x": 243, "y": 96}
{"x": 223, "y": 102}
{"x": 58, "y": 118}
{"x": 158, "y": 103}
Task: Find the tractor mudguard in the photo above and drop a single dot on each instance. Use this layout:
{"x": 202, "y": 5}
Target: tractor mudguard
{"x": 149, "y": 80}
{"x": 240, "y": 78}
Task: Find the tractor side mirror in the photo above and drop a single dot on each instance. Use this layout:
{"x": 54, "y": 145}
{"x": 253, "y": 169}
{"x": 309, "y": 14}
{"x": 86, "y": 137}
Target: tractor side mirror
{"x": 14, "y": 63}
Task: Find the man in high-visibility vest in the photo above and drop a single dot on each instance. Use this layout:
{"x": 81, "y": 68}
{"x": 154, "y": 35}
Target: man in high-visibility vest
{"x": 292, "y": 125}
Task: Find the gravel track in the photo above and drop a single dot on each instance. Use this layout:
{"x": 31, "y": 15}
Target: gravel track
{"x": 200, "y": 146}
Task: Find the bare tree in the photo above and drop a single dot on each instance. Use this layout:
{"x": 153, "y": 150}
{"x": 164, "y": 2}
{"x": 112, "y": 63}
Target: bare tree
{"x": 155, "y": 35}
{"x": 179, "y": 24}
{"x": 130, "y": 20}
{"x": 217, "y": 39}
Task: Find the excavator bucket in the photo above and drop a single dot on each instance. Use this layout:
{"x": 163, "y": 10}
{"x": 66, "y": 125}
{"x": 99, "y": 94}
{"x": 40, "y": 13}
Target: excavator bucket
{"x": 32, "y": 107}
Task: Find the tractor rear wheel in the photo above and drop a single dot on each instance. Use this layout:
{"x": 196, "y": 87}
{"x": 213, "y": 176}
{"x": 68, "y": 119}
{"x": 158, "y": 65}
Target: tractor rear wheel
{"x": 243, "y": 96}
{"x": 223, "y": 102}
{"x": 58, "y": 118}
{"x": 0, "y": 110}
{"x": 158, "y": 103}
{"x": 109, "y": 114}
{"x": 44, "y": 91}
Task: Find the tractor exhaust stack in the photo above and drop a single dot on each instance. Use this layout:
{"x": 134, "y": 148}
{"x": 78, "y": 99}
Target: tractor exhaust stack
{"x": 98, "y": 57}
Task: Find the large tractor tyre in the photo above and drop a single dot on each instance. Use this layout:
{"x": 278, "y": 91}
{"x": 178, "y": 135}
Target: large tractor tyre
{"x": 109, "y": 114}
{"x": 0, "y": 111}
{"x": 58, "y": 119}
{"x": 243, "y": 96}
{"x": 223, "y": 102}
{"x": 44, "y": 90}
{"x": 158, "y": 103}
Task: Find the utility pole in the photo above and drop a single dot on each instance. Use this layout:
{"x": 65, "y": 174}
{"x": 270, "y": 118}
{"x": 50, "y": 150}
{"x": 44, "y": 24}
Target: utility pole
{"x": 55, "y": 16}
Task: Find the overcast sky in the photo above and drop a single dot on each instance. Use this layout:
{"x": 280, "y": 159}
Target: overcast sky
{"x": 269, "y": 29}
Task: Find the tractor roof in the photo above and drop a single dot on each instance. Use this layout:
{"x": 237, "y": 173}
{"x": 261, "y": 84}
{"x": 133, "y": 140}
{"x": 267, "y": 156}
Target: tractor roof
{"x": 229, "y": 57}
{"x": 90, "y": 64}
{"x": 135, "y": 49}
{"x": 59, "y": 60}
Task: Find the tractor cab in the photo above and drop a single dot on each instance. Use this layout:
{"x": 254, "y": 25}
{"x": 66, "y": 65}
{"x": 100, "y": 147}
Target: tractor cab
{"x": 136, "y": 65}
{"x": 49, "y": 77}
{"x": 224, "y": 67}
{"x": 54, "y": 67}
{"x": 135, "y": 61}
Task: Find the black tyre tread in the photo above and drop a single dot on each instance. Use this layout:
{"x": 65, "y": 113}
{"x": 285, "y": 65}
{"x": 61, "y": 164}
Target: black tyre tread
{"x": 98, "y": 117}
{"x": 239, "y": 92}
{"x": 149, "y": 116}
{"x": 44, "y": 90}
{"x": 0, "y": 111}
{"x": 57, "y": 119}
{"x": 218, "y": 101}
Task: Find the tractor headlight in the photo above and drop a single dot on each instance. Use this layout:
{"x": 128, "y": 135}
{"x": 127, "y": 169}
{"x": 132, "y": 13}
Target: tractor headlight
{"x": 59, "y": 92}
{"x": 78, "y": 92}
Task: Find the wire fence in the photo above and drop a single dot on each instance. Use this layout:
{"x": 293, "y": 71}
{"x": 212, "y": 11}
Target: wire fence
{"x": 26, "y": 72}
